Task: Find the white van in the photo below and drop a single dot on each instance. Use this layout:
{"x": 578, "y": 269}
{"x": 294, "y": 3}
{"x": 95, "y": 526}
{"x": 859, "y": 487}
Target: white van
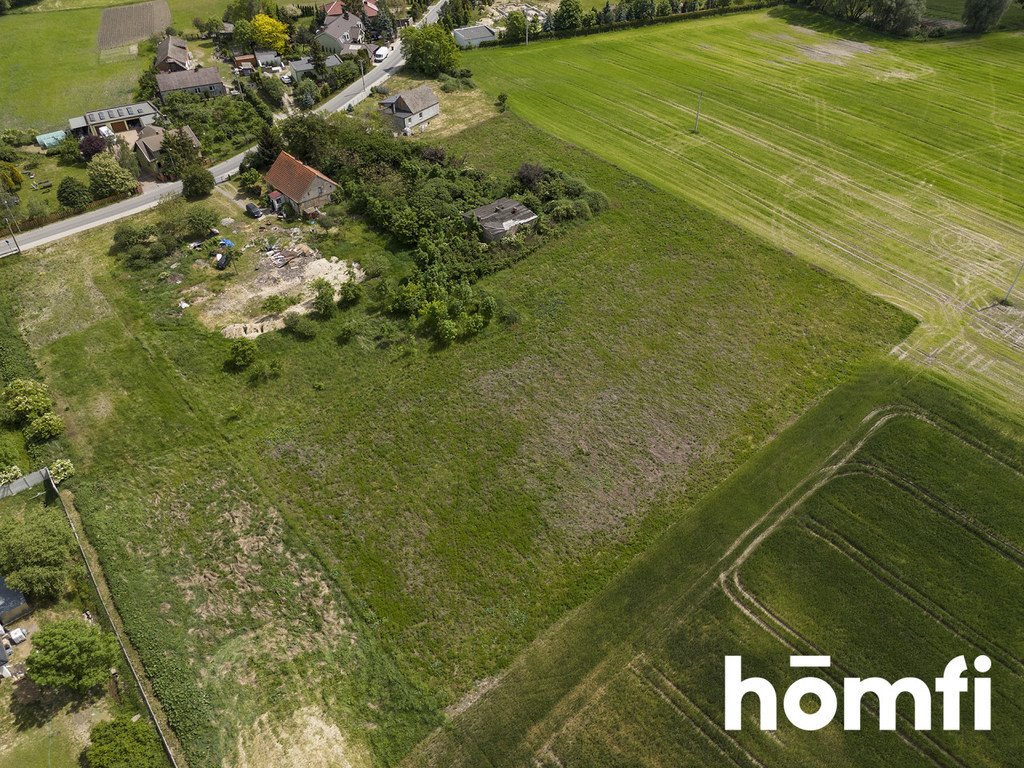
{"x": 380, "y": 54}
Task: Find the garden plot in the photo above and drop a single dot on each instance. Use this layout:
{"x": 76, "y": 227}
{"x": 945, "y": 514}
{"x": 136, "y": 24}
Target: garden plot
{"x": 124, "y": 25}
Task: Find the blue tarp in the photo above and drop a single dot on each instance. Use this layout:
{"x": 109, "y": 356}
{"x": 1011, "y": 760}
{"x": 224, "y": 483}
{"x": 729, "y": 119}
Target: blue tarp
{"x": 226, "y": 243}
{"x": 47, "y": 140}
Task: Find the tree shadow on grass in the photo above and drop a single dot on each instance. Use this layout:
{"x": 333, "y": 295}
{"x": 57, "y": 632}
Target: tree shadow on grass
{"x": 33, "y": 706}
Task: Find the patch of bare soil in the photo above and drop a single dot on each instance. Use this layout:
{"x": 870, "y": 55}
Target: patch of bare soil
{"x": 287, "y": 271}
{"x": 834, "y": 51}
{"x": 306, "y": 740}
{"x": 473, "y": 696}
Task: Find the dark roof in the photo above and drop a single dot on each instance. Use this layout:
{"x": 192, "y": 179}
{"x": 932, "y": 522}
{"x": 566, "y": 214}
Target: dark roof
{"x": 196, "y": 78}
{"x": 416, "y": 100}
{"x": 11, "y": 600}
{"x": 152, "y": 138}
{"x": 292, "y": 177}
{"x": 339, "y": 26}
{"x": 174, "y": 49}
{"x": 127, "y": 112}
{"x": 498, "y": 217}
{"x": 477, "y": 32}
{"x": 305, "y": 65}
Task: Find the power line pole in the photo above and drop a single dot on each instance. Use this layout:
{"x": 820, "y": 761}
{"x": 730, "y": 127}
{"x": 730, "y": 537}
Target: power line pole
{"x": 1006, "y": 298}
{"x": 7, "y": 221}
{"x": 696, "y": 122}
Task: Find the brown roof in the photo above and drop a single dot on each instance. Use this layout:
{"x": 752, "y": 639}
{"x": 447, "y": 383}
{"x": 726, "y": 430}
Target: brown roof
{"x": 195, "y": 78}
{"x": 416, "y": 100}
{"x": 293, "y": 177}
{"x": 174, "y": 49}
{"x": 334, "y": 9}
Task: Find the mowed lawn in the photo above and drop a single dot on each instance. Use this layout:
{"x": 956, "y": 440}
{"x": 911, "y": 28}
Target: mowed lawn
{"x": 872, "y": 531}
{"x": 891, "y": 162}
{"x": 51, "y": 67}
{"x": 400, "y": 524}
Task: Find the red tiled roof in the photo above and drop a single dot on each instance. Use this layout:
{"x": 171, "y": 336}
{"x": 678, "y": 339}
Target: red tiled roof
{"x": 293, "y": 177}
{"x": 337, "y": 8}
{"x": 334, "y": 9}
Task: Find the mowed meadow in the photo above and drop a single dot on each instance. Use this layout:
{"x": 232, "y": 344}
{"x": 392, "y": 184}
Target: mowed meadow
{"x": 894, "y": 163}
{"x": 882, "y": 530}
{"x": 332, "y": 561}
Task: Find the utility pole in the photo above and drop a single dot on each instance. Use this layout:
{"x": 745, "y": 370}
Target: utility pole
{"x": 527, "y": 28}
{"x": 362, "y": 74}
{"x": 7, "y": 221}
{"x": 696, "y": 122}
{"x": 1006, "y": 298}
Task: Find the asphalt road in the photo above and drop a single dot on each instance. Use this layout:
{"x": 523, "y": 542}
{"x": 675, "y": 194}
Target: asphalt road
{"x": 353, "y": 94}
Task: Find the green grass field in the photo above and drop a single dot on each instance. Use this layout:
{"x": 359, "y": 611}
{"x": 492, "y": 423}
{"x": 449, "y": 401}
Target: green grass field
{"x": 890, "y": 162}
{"x": 872, "y": 531}
{"x": 399, "y": 524}
{"x": 52, "y": 70}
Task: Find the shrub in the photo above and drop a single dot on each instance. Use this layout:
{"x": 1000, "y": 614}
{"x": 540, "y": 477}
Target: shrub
{"x": 73, "y": 194}
{"x": 300, "y": 325}
{"x": 61, "y": 470}
{"x": 27, "y": 400}
{"x": 488, "y": 306}
{"x": 124, "y": 743}
{"x": 127, "y": 235}
{"x": 351, "y": 293}
{"x": 243, "y": 354}
{"x": 264, "y": 370}
{"x": 447, "y": 332}
{"x": 348, "y": 332}
{"x": 46, "y": 427}
{"x": 107, "y": 178}
{"x": 278, "y": 303}
{"x": 199, "y": 220}
{"x": 8, "y": 474}
{"x": 196, "y": 182}
{"x": 323, "y": 298}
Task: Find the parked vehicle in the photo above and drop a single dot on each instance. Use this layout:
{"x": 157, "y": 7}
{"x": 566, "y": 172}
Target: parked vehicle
{"x": 254, "y": 210}
{"x": 380, "y": 54}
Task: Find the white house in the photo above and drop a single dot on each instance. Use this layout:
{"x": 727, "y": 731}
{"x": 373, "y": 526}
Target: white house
{"x": 409, "y": 109}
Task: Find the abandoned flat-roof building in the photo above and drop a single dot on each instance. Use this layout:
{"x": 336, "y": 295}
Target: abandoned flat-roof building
{"x": 172, "y": 55}
{"x": 501, "y": 218}
{"x": 305, "y": 189}
{"x": 409, "y": 109}
{"x": 13, "y": 605}
{"x": 471, "y": 37}
{"x": 131, "y": 117}
{"x": 205, "y": 82}
{"x": 149, "y": 149}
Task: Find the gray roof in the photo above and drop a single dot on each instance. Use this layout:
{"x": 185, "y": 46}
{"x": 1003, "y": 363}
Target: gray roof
{"x": 477, "y": 32}
{"x": 416, "y": 100}
{"x": 174, "y": 49}
{"x": 195, "y": 78}
{"x": 152, "y": 138}
{"x": 339, "y": 26}
{"x": 12, "y": 602}
{"x": 502, "y": 215}
{"x": 266, "y": 55}
{"x": 127, "y": 112}
{"x": 305, "y": 65}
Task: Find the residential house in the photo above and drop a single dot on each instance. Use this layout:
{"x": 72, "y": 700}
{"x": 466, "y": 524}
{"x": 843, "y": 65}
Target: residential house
{"x": 501, "y": 218}
{"x": 471, "y": 37}
{"x": 409, "y": 109}
{"x": 304, "y": 67}
{"x": 107, "y": 122}
{"x": 305, "y": 189}
{"x": 172, "y": 55}
{"x": 227, "y": 29}
{"x": 368, "y": 8}
{"x": 204, "y": 81}
{"x": 267, "y": 59}
{"x": 150, "y": 145}
{"x": 340, "y": 32}
{"x": 13, "y": 605}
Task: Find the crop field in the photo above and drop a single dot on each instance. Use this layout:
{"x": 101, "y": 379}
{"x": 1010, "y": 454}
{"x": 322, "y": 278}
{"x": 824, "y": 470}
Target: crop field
{"x": 874, "y": 531}
{"x": 125, "y": 24}
{"x": 892, "y": 163}
{"x": 333, "y": 559}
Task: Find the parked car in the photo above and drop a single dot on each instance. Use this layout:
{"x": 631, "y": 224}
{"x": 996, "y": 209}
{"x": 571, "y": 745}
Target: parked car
{"x": 380, "y": 54}
{"x": 286, "y": 79}
{"x": 254, "y": 210}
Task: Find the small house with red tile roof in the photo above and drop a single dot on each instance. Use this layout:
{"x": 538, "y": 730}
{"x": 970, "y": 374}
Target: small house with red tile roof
{"x": 337, "y": 8}
{"x": 305, "y": 189}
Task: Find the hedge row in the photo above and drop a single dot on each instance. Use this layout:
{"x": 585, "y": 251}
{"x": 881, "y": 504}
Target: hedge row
{"x": 633, "y": 23}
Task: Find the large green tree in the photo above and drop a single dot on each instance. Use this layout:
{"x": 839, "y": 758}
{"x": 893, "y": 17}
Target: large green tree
{"x": 515, "y": 26}
{"x": 34, "y": 555}
{"x": 71, "y": 655}
{"x": 982, "y": 15}
{"x": 107, "y": 178}
{"x": 568, "y": 16}
{"x": 430, "y": 49}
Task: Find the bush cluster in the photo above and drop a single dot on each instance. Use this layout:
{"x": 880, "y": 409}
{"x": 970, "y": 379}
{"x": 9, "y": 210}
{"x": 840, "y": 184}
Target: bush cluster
{"x": 178, "y": 223}
{"x": 28, "y": 405}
